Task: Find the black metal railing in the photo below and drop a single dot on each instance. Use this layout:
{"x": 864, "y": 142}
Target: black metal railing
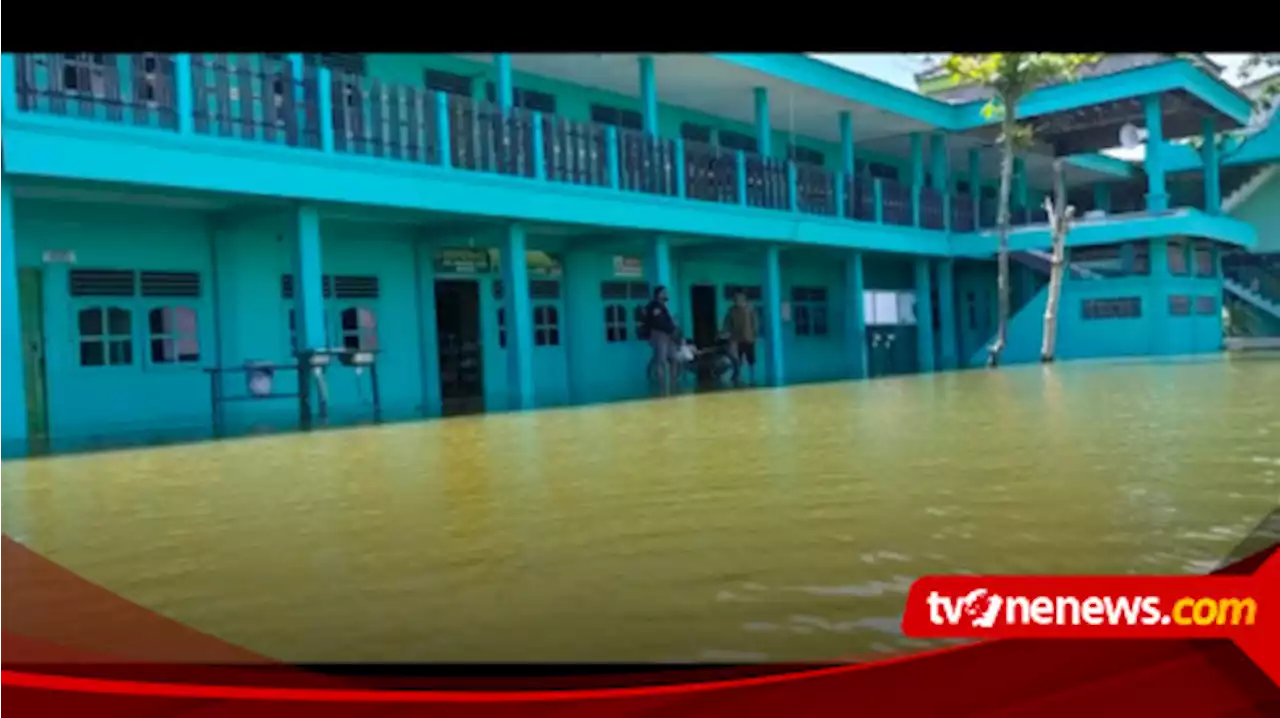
{"x": 962, "y": 219}
{"x": 136, "y": 89}
{"x": 390, "y": 121}
{"x": 815, "y": 190}
{"x": 258, "y": 98}
{"x": 767, "y": 183}
{"x": 932, "y": 209}
{"x": 711, "y": 173}
{"x": 278, "y": 100}
{"x": 646, "y": 163}
{"x": 896, "y": 200}
{"x": 575, "y": 152}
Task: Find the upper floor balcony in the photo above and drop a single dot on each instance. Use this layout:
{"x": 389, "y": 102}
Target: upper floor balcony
{"x": 278, "y": 101}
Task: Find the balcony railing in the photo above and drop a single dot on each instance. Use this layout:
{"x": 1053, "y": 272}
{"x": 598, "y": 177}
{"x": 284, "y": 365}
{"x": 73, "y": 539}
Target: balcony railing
{"x": 274, "y": 99}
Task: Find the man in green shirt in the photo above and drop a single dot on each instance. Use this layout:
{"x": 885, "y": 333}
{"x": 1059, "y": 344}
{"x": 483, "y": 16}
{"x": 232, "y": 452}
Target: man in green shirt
{"x": 740, "y": 325}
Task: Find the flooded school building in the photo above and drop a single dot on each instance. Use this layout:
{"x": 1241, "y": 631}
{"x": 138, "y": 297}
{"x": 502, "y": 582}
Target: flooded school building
{"x": 198, "y": 245}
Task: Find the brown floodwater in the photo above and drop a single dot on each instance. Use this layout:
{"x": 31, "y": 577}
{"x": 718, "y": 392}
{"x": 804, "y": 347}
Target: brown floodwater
{"x": 751, "y": 525}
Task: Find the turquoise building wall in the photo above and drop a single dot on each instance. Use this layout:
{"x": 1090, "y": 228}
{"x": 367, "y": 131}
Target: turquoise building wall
{"x": 243, "y": 214}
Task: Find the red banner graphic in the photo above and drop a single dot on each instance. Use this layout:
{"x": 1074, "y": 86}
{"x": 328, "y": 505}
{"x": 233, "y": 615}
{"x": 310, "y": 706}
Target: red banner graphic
{"x": 1244, "y": 609}
{"x": 73, "y": 648}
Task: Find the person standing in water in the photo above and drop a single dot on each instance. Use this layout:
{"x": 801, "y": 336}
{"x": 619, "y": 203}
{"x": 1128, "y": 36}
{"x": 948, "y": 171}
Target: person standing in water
{"x": 740, "y": 325}
{"x": 662, "y": 339}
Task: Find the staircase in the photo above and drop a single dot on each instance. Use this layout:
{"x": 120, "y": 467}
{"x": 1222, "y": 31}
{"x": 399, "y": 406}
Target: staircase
{"x": 1242, "y": 193}
{"x": 1042, "y": 262}
{"x": 1252, "y": 297}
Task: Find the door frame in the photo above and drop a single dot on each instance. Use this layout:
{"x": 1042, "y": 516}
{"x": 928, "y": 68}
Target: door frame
{"x": 35, "y": 361}
{"x": 446, "y": 402}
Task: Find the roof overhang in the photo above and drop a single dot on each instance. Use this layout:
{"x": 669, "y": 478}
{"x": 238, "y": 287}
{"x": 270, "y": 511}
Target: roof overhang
{"x": 1086, "y": 115}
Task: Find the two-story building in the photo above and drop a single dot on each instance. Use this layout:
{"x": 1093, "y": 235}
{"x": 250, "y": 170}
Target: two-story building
{"x": 486, "y": 228}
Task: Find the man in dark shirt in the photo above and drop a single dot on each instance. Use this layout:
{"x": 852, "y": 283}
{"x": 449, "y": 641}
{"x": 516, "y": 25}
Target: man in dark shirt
{"x": 662, "y": 338}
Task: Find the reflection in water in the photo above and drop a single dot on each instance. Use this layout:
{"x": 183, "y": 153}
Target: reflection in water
{"x": 757, "y": 525}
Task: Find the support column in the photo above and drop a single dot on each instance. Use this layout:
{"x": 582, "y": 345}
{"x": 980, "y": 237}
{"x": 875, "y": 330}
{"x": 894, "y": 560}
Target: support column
{"x": 1157, "y": 195}
{"x": 917, "y": 175}
{"x": 649, "y": 94}
{"x": 764, "y": 129}
{"x": 938, "y": 163}
{"x": 1212, "y": 178}
{"x": 846, "y": 179}
{"x": 773, "y": 342}
{"x": 657, "y": 269}
{"x": 14, "y": 374}
{"x": 308, "y": 282}
{"x": 855, "y": 317}
{"x": 8, "y": 86}
{"x": 1155, "y": 302}
{"x": 505, "y": 86}
{"x": 947, "y": 314}
{"x": 519, "y": 314}
{"x": 924, "y": 315}
{"x": 847, "y": 159}
{"x": 428, "y": 330}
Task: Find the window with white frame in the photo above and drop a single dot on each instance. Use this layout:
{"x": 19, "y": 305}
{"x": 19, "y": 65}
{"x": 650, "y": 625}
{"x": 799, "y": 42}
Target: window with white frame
{"x": 889, "y": 308}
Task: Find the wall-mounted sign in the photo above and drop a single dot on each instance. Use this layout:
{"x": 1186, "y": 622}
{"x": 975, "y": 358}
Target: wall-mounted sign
{"x": 59, "y": 256}
{"x": 463, "y": 261}
{"x": 541, "y": 264}
{"x": 628, "y": 267}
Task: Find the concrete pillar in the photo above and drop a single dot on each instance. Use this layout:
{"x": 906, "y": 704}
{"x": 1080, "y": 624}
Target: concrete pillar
{"x": 649, "y": 94}
{"x": 308, "y": 283}
{"x": 855, "y": 319}
{"x": 764, "y": 128}
{"x": 939, "y": 164}
{"x": 657, "y": 269}
{"x": 15, "y": 428}
{"x": 924, "y": 315}
{"x": 1212, "y": 178}
{"x": 428, "y": 331}
{"x": 1157, "y": 195}
{"x": 917, "y": 174}
{"x": 505, "y": 85}
{"x": 773, "y": 298}
{"x": 847, "y": 159}
{"x": 947, "y": 314}
{"x": 519, "y": 314}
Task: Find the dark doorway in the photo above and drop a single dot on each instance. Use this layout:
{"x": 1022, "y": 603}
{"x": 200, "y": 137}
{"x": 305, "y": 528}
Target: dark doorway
{"x": 461, "y": 354}
{"x": 704, "y": 324}
{"x": 702, "y": 315}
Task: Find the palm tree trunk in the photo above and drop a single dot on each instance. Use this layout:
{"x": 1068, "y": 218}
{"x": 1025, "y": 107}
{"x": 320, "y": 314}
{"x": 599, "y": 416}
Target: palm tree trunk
{"x": 1059, "y": 217}
{"x": 1002, "y": 222}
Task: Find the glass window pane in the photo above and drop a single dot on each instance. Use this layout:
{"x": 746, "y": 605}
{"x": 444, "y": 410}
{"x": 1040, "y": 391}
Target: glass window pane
{"x": 369, "y": 340}
{"x": 162, "y": 351}
{"x": 350, "y": 320}
{"x": 160, "y": 320}
{"x": 90, "y": 321}
{"x": 907, "y": 308}
{"x": 886, "y": 304}
{"x": 120, "y": 351}
{"x": 366, "y": 318}
{"x": 184, "y": 320}
{"x": 188, "y": 349}
{"x": 119, "y": 321}
{"x": 92, "y": 354}
{"x": 869, "y": 308}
